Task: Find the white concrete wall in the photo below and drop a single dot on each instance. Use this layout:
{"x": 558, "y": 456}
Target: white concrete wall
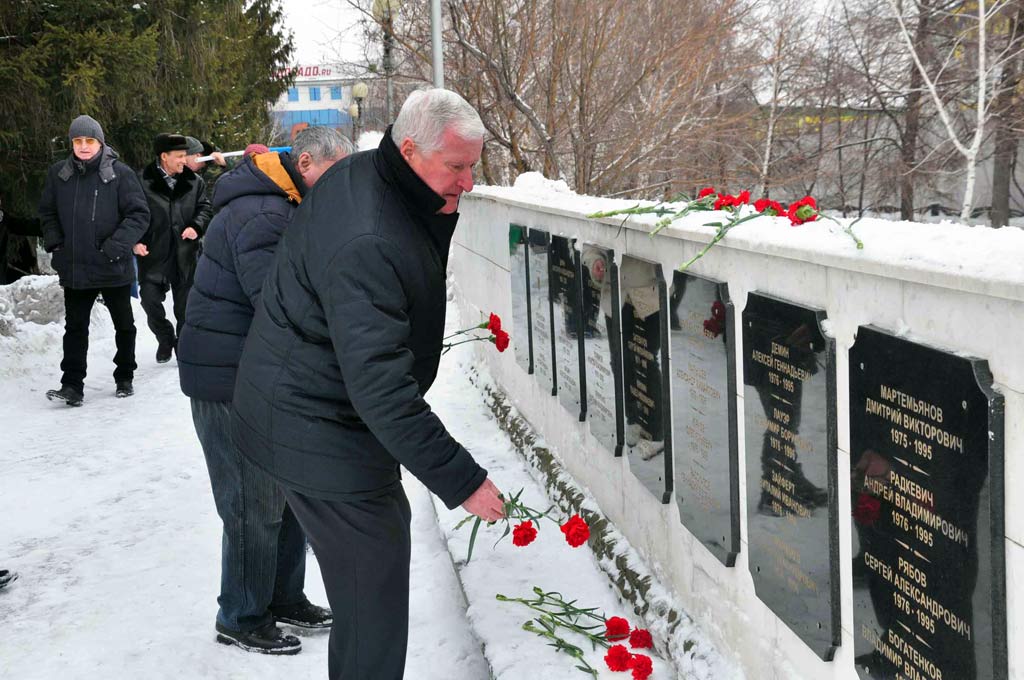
{"x": 939, "y": 303}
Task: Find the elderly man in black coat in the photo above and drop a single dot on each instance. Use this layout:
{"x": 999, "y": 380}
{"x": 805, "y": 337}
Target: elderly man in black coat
{"x": 93, "y": 211}
{"x": 179, "y": 212}
{"x": 263, "y": 554}
{"x": 343, "y": 348}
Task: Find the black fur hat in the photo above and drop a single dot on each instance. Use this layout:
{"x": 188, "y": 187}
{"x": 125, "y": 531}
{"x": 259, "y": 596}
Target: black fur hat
{"x": 166, "y": 141}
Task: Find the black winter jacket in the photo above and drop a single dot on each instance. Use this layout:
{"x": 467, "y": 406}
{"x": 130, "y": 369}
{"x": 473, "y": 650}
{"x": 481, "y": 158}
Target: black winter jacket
{"x": 92, "y": 214}
{"x": 347, "y": 337}
{"x": 171, "y": 258}
{"x": 252, "y": 212}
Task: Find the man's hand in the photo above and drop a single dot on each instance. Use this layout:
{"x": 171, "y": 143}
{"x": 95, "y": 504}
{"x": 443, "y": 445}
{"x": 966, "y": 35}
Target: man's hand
{"x": 190, "y": 234}
{"x": 140, "y": 249}
{"x": 486, "y": 503}
{"x": 218, "y": 158}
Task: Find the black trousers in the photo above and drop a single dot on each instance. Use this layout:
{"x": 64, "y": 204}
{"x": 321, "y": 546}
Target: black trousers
{"x": 152, "y": 295}
{"x": 77, "y": 311}
{"x": 363, "y": 548}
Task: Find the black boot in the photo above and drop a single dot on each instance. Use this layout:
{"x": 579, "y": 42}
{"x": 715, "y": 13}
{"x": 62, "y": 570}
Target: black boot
{"x": 7, "y": 577}
{"x": 305, "y": 615}
{"x": 68, "y": 394}
{"x": 124, "y": 389}
{"x": 267, "y": 640}
{"x": 163, "y": 352}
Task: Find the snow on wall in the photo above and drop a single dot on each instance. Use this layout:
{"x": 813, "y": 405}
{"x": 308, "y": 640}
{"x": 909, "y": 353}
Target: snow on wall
{"x": 948, "y": 285}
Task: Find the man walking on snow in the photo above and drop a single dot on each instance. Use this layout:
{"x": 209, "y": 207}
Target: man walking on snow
{"x": 93, "y": 211}
{"x": 344, "y": 345}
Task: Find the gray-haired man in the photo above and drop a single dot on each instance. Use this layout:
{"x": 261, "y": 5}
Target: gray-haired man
{"x": 263, "y": 558}
{"x": 345, "y": 344}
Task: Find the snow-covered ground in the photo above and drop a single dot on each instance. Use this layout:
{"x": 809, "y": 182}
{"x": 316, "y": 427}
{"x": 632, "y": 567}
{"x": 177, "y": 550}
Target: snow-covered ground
{"x": 106, "y": 513}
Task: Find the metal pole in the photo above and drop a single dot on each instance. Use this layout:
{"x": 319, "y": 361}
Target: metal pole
{"x": 435, "y": 39}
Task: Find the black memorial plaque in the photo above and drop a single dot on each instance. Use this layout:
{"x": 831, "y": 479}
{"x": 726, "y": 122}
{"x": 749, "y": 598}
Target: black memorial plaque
{"x": 567, "y": 323}
{"x": 789, "y": 398}
{"x": 704, "y": 441}
{"x": 519, "y": 275}
{"x": 541, "y": 309}
{"x": 926, "y": 466}
{"x": 602, "y": 346}
{"x": 645, "y": 386}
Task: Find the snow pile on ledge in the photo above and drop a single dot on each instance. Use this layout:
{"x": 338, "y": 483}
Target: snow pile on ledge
{"x": 35, "y": 299}
{"x": 369, "y": 140}
{"x": 947, "y": 248}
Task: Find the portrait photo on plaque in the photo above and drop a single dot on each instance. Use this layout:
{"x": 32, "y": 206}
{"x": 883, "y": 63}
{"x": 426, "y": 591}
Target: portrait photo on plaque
{"x": 568, "y": 325}
{"x": 704, "y": 438}
{"x": 789, "y": 402}
{"x": 926, "y": 478}
{"x": 522, "y": 337}
{"x": 602, "y": 346}
{"x": 538, "y": 247}
{"x": 648, "y": 444}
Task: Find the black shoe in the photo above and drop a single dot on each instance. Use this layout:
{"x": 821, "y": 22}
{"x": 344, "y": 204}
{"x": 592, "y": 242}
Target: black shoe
{"x": 7, "y": 577}
{"x": 267, "y": 640}
{"x": 68, "y": 394}
{"x": 124, "y": 389}
{"x": 163, "y": 352}
{"x": 303, "y": 615}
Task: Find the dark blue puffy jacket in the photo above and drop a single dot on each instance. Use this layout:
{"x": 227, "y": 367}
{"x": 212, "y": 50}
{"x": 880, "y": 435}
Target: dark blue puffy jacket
{"x": 255, "y": 203}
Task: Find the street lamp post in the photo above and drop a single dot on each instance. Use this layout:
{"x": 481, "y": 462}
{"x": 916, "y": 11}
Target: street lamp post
{"x": 359, "y": 92}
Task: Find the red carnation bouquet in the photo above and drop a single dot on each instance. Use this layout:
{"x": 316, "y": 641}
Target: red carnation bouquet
{"x": 708, "y": 199}
{"x": 497, "y": 336}
{"x": 525, "y": 532}
{"x": 555, "y": 614}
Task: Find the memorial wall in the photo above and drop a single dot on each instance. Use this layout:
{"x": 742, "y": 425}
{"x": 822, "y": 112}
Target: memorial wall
{"x": 816, "y": 451}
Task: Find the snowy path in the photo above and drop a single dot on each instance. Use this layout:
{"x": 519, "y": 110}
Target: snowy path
{"x": 107, "y": 514}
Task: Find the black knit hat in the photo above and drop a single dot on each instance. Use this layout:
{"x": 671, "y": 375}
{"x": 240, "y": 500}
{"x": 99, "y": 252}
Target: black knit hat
{"x": 166, "y": 141}
{"x": 86, "y": 126}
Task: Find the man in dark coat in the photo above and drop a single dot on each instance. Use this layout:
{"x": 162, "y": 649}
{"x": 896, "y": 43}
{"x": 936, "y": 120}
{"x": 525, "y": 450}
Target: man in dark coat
{"x": 344, "y": 345}
{"x": 93, "y": 211}
{"x": 179, "y": 212}
{"x": 263, "y": 554}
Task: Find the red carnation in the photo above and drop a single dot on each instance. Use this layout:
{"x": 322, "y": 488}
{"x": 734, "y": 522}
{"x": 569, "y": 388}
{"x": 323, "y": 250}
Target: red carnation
{"x": 640, "y": 638}
{"x": 524, "y": 534}
{"x": 706, "y": 191}
{"x": 742, "y": 197}
{"x": 576, "y": 532}
{"x": 616, "y": 628}
{"x": 712, "y": 327}
{"x": 618, "y": 658}
{"x": 642, "y": 667}
{"x": 804, "y": 210}
{"x": 718, "y": 310}
{"x": 867, "y": 510}
{"x": 724, "y": 201}
{"x": 500, "y": 340}
{"x": 494, "y": 323}
{"x": 769, "y": 207}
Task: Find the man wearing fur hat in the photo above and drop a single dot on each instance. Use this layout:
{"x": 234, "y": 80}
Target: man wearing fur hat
{"x": 93, "y": 211}
{"x": 179, "y": 212}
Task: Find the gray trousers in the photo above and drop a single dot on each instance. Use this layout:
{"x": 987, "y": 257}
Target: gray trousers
{"x": 363, "y": 548}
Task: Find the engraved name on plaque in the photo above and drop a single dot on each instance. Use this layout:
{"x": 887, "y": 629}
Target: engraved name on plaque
{"x": 602, "y": 346}
{"x": 645, "y": 385}
{"x": 522, "y": 342}
{"x": 540, "y": 309}
{"x": 789, "y": 402}
{"x": 926, "y": 466}
{"x": 702, "y": 351}
{"x": 568, "y": 325}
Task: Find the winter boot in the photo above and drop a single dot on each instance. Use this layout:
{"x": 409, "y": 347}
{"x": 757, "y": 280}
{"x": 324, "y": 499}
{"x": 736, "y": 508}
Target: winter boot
{"x": 267, "y": 640}
{"x": 124, "y": 389}
{"x": 7, "y": 577}
{"x": 163, "y": 352}
{"x": 67, "y": 394}
{"x": 304, "y": 615}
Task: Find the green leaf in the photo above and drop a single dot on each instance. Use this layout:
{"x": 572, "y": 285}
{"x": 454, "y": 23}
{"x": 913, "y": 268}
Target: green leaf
{"x": 472, "y": 539}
